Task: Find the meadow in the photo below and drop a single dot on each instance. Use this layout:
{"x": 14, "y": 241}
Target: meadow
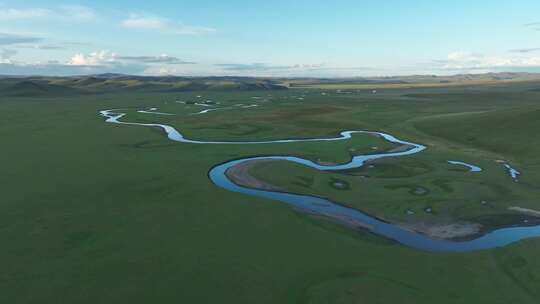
{"x": 93, "y": 212}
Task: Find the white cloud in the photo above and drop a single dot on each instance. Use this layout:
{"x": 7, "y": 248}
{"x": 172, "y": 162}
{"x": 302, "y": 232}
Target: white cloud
{"x": 163, "y": 25}
{"x": 163, "y": 58}
{"x": 476, "y": 61}
{"x": 58, "y": 69}
{"x": 99, "y": 58}
{"x": 259, "y": 67}
{"x": 15, "y": 14}
{"x": 104, "y": 58}
{"x": 528, "y": 50}
{"x": 181, "y": 70}
{"x": 9, "y": 39}
{"x": 77, "y": 13}
{"x": 147, "y": 23}
{"x": 166, "y": 70}
{"x": 534, "y": 25}
{"x": 96, "y": 63}
{"x": 6, "y": 54}
{"x": 308, "y": 66}
{"x": 46, "y": 47}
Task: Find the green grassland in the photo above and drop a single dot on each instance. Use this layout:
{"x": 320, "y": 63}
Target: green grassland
{"x": 100, "y": 213}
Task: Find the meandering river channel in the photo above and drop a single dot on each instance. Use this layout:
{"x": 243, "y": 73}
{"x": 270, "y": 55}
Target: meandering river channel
{"x": 326, "y": 208}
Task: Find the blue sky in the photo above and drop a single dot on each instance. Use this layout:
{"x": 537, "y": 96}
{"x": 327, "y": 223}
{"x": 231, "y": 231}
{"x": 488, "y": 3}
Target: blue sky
{"x": 338, "y": 38}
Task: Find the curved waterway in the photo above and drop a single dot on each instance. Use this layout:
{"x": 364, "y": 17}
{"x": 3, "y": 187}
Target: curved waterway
{"x": 323, "y": 207}
{"x": 153, "y": 111}
{"x": 472, "y": 168}
{"x": 512, "y": 172}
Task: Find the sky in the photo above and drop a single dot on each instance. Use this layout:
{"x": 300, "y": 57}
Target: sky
{"x": 340, "y": 38}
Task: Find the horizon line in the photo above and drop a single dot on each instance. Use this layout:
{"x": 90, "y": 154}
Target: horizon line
{"x": 269, "y": 77}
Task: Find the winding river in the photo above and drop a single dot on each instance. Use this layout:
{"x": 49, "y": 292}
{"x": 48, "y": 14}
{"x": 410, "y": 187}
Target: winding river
{"x": 326, "y": 208}
{"x": 472, "y": 168}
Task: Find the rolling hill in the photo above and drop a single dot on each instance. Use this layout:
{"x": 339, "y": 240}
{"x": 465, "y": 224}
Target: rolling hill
{"x": 109, "y": 83}
{"x": 42, "y": 86}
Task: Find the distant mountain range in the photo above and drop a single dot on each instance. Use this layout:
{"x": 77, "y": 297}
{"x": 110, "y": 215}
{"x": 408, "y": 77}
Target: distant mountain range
{"x": 411, "y": 80}
{"x": 108, "y": 83}
{"x": 38, "y": 86}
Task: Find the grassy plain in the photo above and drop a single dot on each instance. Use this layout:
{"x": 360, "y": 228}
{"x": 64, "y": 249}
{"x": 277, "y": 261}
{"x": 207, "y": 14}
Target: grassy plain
{"x": 100, "y": 213}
